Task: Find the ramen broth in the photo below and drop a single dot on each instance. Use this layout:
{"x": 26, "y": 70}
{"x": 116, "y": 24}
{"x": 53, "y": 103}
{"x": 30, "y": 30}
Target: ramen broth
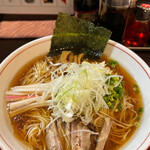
{"x": 19, "y": 120}
{"x": 129, "y": 83}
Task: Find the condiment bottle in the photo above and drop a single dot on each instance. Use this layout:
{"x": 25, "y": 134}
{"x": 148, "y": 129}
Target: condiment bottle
{"x": 137, "y": 29}
{"x": 113, "y": 15}
{"x": 87, "y": 10}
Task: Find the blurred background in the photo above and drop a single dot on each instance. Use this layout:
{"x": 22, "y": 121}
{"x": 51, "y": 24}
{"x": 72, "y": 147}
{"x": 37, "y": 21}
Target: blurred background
{"x": 22, "y": 21}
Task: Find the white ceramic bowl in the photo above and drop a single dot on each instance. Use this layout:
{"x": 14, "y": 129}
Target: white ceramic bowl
{"x": 129, "y": 60}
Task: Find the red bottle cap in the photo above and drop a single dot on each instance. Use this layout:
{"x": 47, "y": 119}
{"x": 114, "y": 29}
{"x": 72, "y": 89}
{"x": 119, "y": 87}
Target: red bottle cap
{"x": 146, "y": 5}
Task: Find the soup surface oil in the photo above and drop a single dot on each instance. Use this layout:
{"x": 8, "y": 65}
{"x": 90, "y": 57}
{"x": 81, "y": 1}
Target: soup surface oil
{"x": 18, "y": 121}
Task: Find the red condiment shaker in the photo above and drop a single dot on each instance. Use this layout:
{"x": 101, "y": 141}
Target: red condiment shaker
{"x": 137, "y": 28}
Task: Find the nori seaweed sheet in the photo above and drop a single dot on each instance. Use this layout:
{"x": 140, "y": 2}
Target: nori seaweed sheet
{"x": 78, "y": 36}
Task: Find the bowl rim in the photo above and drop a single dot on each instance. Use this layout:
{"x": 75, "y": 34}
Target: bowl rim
{"x": 30, "y": 44}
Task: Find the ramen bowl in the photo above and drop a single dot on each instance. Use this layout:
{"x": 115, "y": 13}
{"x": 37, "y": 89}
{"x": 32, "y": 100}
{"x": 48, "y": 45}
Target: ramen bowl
{"x": 132, "y": 63}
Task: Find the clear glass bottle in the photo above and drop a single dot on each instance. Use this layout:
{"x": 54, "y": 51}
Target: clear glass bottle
{"x": 87, "y": 10}
{"x": 114, "y": 15}
{"x": 137, "y": 29}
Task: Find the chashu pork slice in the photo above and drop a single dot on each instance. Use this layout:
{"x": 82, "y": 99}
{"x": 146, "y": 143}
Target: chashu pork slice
{"x": 53, "y": 140}
{"x": 81, "y": 140}
{"x": 101, "y": 141}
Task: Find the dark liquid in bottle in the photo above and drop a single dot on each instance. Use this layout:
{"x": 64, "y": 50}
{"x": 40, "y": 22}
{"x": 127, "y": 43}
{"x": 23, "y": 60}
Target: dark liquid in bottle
{"x": 86, "y": 5}
{"x": 87, "y": 10}
{"x": 115, "y": 19}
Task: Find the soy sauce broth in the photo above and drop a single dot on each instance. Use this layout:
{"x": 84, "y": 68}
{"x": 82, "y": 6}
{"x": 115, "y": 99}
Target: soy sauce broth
{"x": 129, "y": 82}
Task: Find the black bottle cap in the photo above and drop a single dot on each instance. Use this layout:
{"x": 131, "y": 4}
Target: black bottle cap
{"x": 142, "y": 10}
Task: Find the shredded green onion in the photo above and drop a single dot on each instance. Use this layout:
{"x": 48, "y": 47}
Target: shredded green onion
{"x": 82, "y": 89}
{"x": 140, "y": 110}
{"x": 112, "y": 63}
{"x": 136, "y": 124}
{"x": 78, "y": 90}
{"x": 136, "y": 88}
